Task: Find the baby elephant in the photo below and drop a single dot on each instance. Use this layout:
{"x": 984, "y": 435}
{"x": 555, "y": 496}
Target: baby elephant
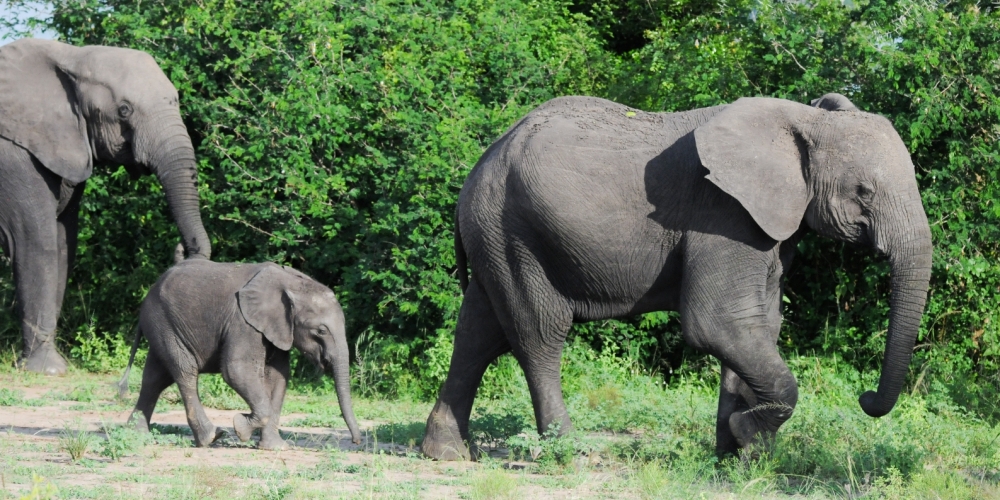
{"x": 239, "y": 320}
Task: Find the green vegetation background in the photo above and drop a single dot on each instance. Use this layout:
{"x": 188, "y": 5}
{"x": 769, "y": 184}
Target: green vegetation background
{"x": 335, "y": 136}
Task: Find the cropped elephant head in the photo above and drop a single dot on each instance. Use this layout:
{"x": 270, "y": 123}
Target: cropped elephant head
{"x": 72, "y": 107}
{"x": 847, "y": 175}
{"x": 291, "y": 309}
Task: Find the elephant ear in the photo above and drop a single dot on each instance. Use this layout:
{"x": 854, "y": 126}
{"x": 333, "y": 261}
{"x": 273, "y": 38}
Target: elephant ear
{"x": 267, "y": 305}
{"x": 834, "y": 102}
{"x": 754, "y": 152}
{"x": 40, "y": 110}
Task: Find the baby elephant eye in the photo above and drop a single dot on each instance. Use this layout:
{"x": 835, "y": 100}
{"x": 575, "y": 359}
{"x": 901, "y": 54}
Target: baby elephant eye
{"x": 124, "y": 110}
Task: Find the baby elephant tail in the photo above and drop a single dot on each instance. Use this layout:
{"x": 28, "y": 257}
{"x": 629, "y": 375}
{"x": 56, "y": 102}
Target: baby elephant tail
{"x": 123, "y": 383}
{"x": 179, "y": 253}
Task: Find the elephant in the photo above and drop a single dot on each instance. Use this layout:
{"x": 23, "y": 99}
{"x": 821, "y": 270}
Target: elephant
{"x": 587, "y": 209}
{"x": 239, "y": 320}
{"x": 63, "y": 110}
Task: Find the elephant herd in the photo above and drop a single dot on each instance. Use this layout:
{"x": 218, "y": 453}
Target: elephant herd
{"x": 583, "y": 210}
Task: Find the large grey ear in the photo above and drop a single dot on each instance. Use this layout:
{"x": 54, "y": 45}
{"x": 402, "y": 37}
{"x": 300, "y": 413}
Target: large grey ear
{"x": 267, "y": 307}
{"x": 754, "y": 152}
{"x": 834, "y": 102}
{"x": 39, "y": 109}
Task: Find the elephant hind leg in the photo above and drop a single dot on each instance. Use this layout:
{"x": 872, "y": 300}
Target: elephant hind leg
{"x": 204, "y": 431}
{"x": 155, "y": 378}
{"x": 479, "y": 340}
{"x": 537, "y": 319}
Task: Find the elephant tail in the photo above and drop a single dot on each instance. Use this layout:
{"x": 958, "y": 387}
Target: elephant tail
{"x": 460, "y": 258}
{"x": 123, "y": 383}
{"x": 179, "y": 253}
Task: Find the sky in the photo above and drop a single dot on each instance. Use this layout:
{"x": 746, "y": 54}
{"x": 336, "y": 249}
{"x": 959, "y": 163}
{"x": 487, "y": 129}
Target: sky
{"x": 6, "y": 13}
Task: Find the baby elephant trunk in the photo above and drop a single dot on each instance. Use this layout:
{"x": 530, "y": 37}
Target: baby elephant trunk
{"x": 339, "y": 364}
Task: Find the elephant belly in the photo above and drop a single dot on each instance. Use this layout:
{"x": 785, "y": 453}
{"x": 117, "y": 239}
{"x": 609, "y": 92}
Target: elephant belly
{"x": 601, "y": 249}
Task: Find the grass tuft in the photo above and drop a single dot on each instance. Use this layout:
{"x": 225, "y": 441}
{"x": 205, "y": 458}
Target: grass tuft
{"x": 76, "y": 441}
{"x": 492, "y": 484}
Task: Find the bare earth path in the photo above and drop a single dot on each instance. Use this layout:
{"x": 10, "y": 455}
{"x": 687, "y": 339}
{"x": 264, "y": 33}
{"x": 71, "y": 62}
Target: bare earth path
{"x": 41, "y": 418}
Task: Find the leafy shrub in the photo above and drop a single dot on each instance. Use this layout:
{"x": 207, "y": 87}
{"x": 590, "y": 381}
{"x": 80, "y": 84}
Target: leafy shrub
{"x": 122, "y": 441}
{"x": 334, "y": 137}
{"x": 10, "y": 397}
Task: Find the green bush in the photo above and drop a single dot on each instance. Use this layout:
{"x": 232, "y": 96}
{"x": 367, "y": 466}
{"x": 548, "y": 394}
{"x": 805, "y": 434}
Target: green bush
{"x": 334, "y": 137}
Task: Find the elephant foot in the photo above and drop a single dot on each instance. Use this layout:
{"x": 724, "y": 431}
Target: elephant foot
{"x": 755, "y": 429}
{"x": 244, "y": 429}
{"x": 210, "y": 435}
{"x": 138, "y": 421}
{"x": 271, "y": 441}
{"x": 443, "y": 441}
{"x": 45, "y": 360}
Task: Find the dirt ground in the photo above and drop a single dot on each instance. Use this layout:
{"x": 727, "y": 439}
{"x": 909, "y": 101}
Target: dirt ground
{"x": 41, "y": 415}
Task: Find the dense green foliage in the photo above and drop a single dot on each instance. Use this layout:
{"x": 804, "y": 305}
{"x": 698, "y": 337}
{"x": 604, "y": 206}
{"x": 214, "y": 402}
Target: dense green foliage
{"x": 334, "y": 136}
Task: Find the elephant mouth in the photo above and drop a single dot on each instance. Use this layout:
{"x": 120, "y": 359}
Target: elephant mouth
{"x": 325, "y": 364}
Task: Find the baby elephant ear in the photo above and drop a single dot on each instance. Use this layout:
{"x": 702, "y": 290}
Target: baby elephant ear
{"x": 834, "y": 102}
{"x": 755, "y": 152}
{"x": 266, "y": 305}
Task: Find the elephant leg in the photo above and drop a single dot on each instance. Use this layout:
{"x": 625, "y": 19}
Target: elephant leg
{"x": 67, "y": 226}
{"x": 479, "y": 340}
{"x": 247, "y": 378}
{"x": 735, "y": 396}
{"x": 29, "y": 194}
{"x": 537, "y": 319}
{"x": 155, "y": 378}
{"x": 538, "y": 345}
{"x": 276, "y": 371}
{"x": 205, "y": 432}
{"x": 730, "y": 307}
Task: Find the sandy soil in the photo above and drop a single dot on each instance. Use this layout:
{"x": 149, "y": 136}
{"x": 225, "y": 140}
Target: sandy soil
{"x": 321, "y": 463}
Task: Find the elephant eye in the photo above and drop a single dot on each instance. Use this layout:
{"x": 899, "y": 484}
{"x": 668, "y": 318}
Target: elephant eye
{"x": 124, "y": 110}
{"x": 866, "y": 192}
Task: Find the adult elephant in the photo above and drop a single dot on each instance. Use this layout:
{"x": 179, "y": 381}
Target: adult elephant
{"x": 587, "y": 209}
{"x": 64, "y": 109}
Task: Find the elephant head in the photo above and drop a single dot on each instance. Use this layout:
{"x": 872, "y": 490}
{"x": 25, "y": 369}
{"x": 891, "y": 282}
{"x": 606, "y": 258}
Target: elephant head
{"x": 848, "y": 176}
{"x": 72, "y": 107}
{"x": 291, "y": 309}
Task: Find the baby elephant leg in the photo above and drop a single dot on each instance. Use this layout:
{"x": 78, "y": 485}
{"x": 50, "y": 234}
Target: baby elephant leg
{"x": 155, "y": 378}
{"x": 205, "y": 432}
{"x": 249, "y": 381}
{"x": 276, "y": 372}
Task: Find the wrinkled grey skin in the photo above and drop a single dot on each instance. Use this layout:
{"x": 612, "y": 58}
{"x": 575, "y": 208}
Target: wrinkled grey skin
{"x": 587, "y": 209}
{"x": 63, "y": 110}
{"x": 239, "y": 320}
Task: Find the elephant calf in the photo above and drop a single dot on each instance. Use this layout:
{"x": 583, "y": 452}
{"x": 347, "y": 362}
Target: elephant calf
{"x": 239, "y": 320}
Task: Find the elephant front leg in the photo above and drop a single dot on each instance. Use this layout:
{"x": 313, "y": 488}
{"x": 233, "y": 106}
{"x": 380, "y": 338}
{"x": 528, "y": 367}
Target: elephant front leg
{"x": 276, "y": 372}
{"x": 730, "y": 307}
{"x": 248, "y": 379}
{"x": 734, "y": 397}
{"x": 36, "y": 275}
{"x": 67, "y": 227}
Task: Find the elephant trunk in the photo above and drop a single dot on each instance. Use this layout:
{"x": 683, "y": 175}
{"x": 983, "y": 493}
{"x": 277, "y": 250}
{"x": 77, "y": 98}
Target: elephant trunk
{"x": 172, "y": 160}
{"x": 910, "y": 260}
{"x": 340, "y": 366}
